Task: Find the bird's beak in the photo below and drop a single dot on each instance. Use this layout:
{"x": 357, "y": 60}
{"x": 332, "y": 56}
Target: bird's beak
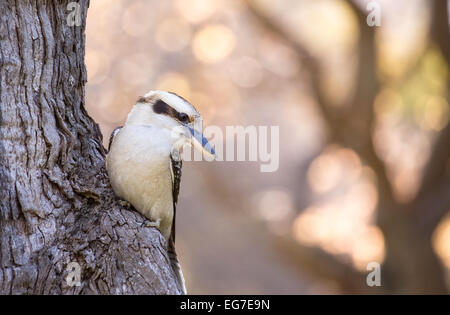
{"x": 200, "y": 143}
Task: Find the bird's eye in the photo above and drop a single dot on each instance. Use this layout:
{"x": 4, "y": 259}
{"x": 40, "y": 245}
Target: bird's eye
{"x": 183, "y": 117}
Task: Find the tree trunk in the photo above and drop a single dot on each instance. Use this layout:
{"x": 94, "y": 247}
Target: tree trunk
{"x": 58, "y": 214}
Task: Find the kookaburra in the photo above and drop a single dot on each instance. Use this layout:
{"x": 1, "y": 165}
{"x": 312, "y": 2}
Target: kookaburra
{"x": 143, "y": 160}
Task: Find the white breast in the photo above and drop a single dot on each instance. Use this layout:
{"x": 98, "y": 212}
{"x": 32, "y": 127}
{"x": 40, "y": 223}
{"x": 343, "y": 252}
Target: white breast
{"x": 138, "y": 167}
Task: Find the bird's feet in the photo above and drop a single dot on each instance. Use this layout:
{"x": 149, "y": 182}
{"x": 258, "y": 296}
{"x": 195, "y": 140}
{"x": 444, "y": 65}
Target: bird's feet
{"x": 125, "y": 204}
{"x": 154, "y": 224}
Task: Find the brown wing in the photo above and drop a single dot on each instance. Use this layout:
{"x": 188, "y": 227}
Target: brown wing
{"x": 113, "y": 134}
{"x": 176, "y": 179}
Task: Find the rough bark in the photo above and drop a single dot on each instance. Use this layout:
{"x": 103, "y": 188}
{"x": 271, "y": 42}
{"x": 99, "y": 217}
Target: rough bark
{"x": 57, "y": 205}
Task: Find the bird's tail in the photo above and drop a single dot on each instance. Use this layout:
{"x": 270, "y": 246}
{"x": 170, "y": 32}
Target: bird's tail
{"x": 176, "y": 265}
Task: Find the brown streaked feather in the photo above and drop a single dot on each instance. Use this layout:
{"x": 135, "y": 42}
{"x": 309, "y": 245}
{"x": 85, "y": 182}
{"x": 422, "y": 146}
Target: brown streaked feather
{"x": 143, "y": 99}
{"x": 176, "y": 179}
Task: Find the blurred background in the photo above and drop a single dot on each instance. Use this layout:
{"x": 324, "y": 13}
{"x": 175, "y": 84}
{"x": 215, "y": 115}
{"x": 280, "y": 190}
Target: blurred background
{"x": 364, "y": 172}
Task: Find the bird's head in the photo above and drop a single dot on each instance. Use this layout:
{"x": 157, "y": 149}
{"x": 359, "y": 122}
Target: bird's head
{"x": 173, "y": 113}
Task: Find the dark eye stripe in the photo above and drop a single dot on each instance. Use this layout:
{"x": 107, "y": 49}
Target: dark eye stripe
{"x": 161, "y": 107}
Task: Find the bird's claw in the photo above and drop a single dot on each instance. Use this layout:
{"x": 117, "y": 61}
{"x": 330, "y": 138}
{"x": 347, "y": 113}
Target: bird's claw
{"x": 152, "y": 223}
{"x": 125, "y": 204}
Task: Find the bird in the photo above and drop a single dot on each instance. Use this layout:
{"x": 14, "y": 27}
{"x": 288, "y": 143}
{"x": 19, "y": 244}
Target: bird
{"x": 144, "y": 162}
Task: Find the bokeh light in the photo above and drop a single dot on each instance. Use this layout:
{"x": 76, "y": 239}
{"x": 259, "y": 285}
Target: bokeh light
{"x": 435, "y": 114}
{"x": 198, "y": 10}
{"x": 174, "y": 82}
{"x": 173, "y": 34}
{"x": 278, "y": 58}
{"x": 246, "y": 72}
{"x": 213, "y": 43}
{"x": 344, "y": 225}
{"x": 327, "y": 170}
{"x": 441, "y": 240}
{"x": 137, "y": 18}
